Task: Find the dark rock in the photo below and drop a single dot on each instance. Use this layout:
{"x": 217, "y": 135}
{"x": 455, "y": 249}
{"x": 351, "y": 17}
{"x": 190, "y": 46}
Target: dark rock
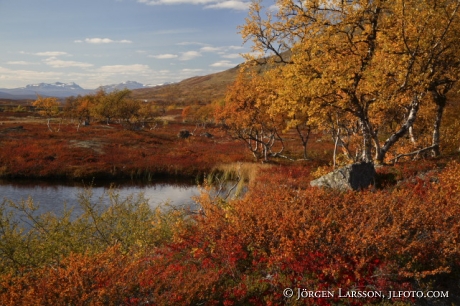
{"x": 13, "y": 129}
{"x": 352, "y": 177}
{"x": 184, "y": 134}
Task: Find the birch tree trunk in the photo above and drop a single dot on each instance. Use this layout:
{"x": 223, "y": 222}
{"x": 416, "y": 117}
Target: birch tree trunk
{"x": 367, "y": 142}
{"x": 440, "y": 101}
{"x": 414, "y": 107}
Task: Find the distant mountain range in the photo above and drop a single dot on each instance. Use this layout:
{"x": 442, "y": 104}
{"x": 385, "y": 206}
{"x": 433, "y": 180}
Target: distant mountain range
{"x": 63, "y": 90}
{"x": 131, "y": 85}
{"x": 58, "y": 89}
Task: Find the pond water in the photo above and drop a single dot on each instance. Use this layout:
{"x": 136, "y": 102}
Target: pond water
{"x": 54, "y": 196}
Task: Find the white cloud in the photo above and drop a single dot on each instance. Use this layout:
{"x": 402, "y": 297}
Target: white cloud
{"x": 10, "y": 77}
{"x": 164, "y": 56}
{"x": 188, "y": 43}
{"x": 103, "y": 41}
{"x": 91, "y": 77}
{"x": 57, "y": 63}
{"x": 191, "y": 70}
{"x": 231, "y": 4}
{"x": 273, "y": 8}
{"x": 21, "y": 63}
{"x": 188, "y": 73}
{"x": 160, "y": 2}
{"x": 124, "y": 69}
{"x": 210, "y": 49}
{"x": 235, "y": 47}
{"x": 175, "y": 31}
{"x": 220, "y": 50}
{"x": 48, "y": 53}
{"x": 189, "y": 55}
{"x": 223, "y": 64}
{"x": 216, "y": 4}
{"x": 111, "y": 74}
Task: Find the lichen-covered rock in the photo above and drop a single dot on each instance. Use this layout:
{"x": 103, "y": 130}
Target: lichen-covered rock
{"x": 352, "y": 177}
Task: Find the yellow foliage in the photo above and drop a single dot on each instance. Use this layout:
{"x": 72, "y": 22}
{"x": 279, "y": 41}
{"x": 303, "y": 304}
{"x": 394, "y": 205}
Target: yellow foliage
{"x": 48, "y": 107}
{"x": 320, "y": 171}
{"x": 376, "y": 61}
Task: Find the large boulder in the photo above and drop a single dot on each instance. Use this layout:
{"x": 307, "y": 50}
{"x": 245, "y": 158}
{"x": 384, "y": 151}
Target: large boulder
{"x": 352, "y": 177}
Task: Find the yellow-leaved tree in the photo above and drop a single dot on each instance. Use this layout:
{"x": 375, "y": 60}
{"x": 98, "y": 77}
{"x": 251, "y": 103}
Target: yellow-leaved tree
{"x": 246, "y": 113}
{"x": 48, "y": 107}
{"x": 373, "y": 61}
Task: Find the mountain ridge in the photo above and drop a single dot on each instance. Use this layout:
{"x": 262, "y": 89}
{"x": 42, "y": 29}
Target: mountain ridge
{"x": 57, "y": 89}
{"x": 61, "y": 90}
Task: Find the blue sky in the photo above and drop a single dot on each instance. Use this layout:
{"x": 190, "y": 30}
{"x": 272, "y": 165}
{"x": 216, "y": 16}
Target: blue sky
{"x": 101, "y": 42}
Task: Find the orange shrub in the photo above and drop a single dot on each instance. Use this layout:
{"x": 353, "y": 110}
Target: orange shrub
{"x": 108, "y": 278}
{"x": 278, "y": 236}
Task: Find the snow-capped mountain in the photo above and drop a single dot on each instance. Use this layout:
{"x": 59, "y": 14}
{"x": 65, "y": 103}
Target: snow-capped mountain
{"x": 61, "y": 90}
{"x": 125, "y": 85}
{"x": 161, "y": 84}
{"x": 70, "y": 86}
{"x": 58, "y": 89}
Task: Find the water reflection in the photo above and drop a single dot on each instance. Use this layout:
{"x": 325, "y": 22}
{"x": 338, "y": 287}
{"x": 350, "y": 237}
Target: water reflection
{"x": 55, "y": 196}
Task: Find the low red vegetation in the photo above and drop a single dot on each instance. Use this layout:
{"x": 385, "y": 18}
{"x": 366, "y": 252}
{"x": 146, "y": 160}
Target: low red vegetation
{"x": 282, "y": 234}
{"x": 100, "y": 150}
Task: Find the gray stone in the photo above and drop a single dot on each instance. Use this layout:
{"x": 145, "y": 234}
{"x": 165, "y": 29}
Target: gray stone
{"x": 207, "y": 135}
{"x": 352, "y": 177}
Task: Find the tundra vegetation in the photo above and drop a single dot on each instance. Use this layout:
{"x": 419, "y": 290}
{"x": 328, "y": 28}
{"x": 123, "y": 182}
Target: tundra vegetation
{"x": 345, "y": 81}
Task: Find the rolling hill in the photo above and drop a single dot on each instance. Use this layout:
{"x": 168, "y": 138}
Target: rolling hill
{"x": 196, "y": 89}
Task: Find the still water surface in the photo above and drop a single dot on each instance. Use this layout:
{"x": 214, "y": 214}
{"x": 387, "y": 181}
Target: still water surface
{"x": 54, "y": 197}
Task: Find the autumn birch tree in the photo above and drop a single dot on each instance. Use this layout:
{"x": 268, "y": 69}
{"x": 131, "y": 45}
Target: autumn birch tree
{"x": 425, "y": 44}
{"x": 246, "y": 114}
{"x": 47, "y": 107}
{"x": 110, "y": 105}
{"x": 364, "y": 58}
